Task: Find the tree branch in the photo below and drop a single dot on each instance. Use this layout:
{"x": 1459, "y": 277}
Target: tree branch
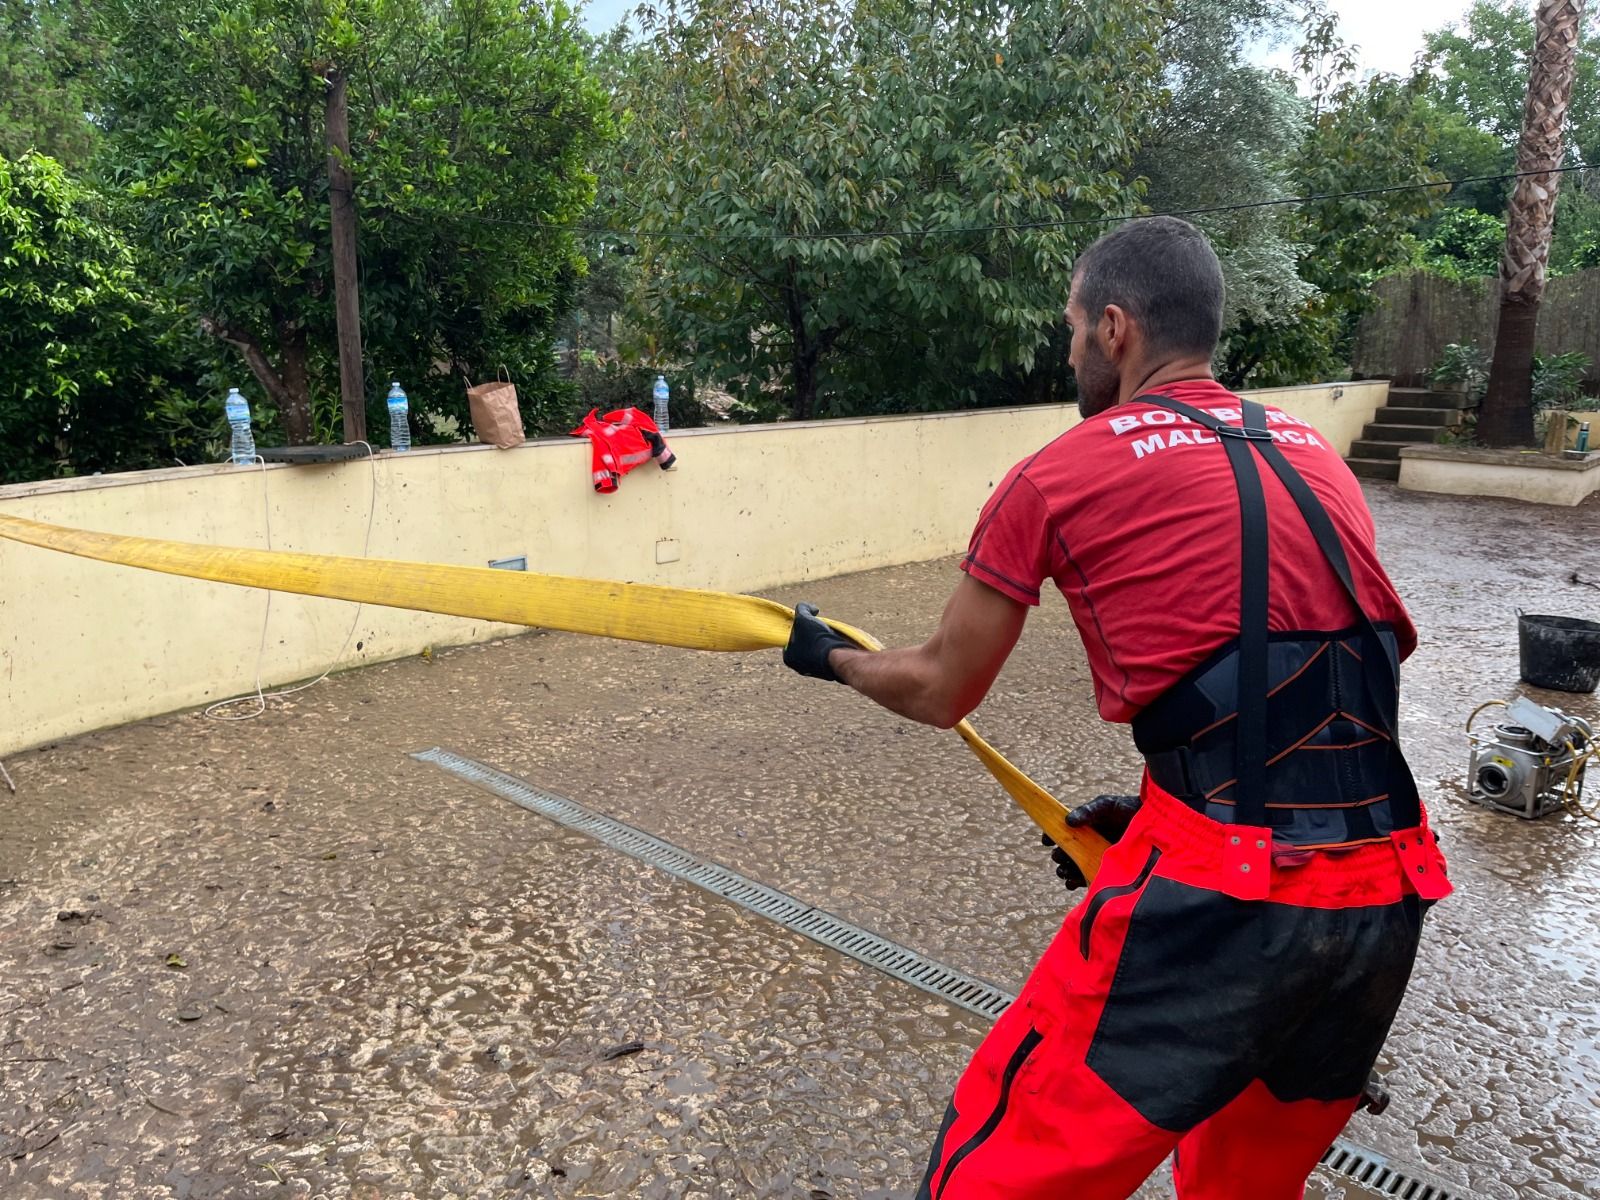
{"x": 253, "y": 356}
{"x": 825, "y": 340}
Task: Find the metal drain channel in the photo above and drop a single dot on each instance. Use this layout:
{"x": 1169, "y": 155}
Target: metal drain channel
{"x": 1374, "y": 1172}
{"x": 1359, "y": 1164}
{"x": 965, "y": 991}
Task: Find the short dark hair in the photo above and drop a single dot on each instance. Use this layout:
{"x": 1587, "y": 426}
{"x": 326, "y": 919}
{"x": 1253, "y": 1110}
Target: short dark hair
{"x": 1164, "y": 274}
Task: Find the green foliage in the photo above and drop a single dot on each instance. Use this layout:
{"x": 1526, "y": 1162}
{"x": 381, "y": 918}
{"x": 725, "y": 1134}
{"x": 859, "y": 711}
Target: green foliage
{"x": 914, "y": 129}
{"x": 593, "y": 322}
{"x": 47, "y": 53}
{"x": 1478, "y": 69}
{"x": 1477, "y": 80}
{"x": 471, "y": 125}
{"x": 1228, "y": 135}
{"x": 607, "y": 385}
{"x": 81, "y": 349}
{"x": 66, "y": 295}
{"x": 1464, "y": 368}
{"x": 1558, "y": 379}
{"x": 1462, "y": 150}
{"x": 1583, "y": 252}
{"x": 1576, "y": 244}
{"x": 1465, "y": 244}
{"x": 1372, "y": 134}
{"x": 967, "y": 152}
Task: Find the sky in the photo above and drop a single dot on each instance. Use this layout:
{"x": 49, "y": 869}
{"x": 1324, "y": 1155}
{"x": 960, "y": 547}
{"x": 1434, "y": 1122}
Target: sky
{"x": 1388, "y": 32}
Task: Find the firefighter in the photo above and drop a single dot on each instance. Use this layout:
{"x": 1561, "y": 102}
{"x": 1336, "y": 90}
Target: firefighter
{"x": 1223, "y": 989}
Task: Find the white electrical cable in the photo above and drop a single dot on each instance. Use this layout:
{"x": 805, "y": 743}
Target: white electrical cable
{"x": 260, "y": 697}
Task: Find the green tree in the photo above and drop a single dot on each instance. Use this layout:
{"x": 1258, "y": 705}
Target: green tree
{"x": 597, "y": 319}
{"x": 1227, "y": 136}
{"x": 1477, "y": 77}
{"x": 47, "y": 53}
{"x": 80, "y": 360}
{"x": 1464, "y": 244}
{"x": 1506, "y": 417}
{"x": 1576, "y": 246}
{"x": 1478, "y": 68}
{"x": 947, "y": 143}
{"x": 472, "y": 122}
{"x": 1464, "y": 150}
{"x": 1367, "y": 135}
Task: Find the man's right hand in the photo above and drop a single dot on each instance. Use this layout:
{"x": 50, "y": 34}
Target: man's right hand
{"x": 1109, "y": 816}
{"x": 811, "y": 640}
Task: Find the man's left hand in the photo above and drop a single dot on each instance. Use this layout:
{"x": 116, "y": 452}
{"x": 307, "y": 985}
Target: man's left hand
{"x": 1108, "y": 816}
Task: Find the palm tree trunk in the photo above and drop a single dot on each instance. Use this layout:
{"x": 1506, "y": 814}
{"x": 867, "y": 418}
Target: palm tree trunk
{"x": 1507, "y": 415}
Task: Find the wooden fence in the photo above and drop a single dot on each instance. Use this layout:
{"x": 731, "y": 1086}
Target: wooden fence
{"x": 1418, "y": 315}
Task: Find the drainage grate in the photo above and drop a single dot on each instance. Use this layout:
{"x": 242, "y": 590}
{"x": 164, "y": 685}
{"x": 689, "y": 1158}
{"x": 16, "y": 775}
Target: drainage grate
{"x": 960, "y": 989}
{"x": 1375, "y": 1173}
{"x": 1364, "y": 1167}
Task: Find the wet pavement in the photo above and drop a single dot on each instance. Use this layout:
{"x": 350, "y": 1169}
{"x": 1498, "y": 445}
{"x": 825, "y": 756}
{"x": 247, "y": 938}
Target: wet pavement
{"x": 281, "y": 958}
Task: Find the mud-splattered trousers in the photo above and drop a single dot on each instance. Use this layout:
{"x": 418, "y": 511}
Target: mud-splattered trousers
{"x": 1168, "y": 1016}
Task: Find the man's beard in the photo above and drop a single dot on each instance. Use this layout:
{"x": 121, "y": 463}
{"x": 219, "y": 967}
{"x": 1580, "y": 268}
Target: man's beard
{"x": 1099, "y": 385}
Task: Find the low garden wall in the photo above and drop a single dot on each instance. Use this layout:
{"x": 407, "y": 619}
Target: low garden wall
{"x": 84, "y": 645}
{"x": 1513, "y": 474}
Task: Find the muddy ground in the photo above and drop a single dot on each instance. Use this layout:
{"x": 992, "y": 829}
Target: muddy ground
{"x": 281, "y": 958}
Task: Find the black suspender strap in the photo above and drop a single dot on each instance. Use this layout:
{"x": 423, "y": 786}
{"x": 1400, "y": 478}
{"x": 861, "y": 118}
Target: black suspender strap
{"x": 1381, "y": 680}
{"x": 1250, "y": 792}
{"x": 1251, "y": 745}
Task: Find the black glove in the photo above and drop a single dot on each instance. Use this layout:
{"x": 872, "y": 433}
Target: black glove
{"x": 811, "y": 640}
{"x": 1109, "y": 816}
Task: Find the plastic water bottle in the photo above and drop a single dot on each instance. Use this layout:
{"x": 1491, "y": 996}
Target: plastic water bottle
{"x": 243, "y": 453}
{"x": 662, "y": 392}
{"x": 399, "y": 417}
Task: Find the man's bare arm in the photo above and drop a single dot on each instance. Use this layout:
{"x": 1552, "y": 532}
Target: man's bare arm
{"x": 941, "y": 681}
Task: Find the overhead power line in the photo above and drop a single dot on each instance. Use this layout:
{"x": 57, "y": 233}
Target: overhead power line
{"x": 1022, "y": 226}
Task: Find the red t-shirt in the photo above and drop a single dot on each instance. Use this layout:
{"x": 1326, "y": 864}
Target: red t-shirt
{"x": 1134, "y": 515}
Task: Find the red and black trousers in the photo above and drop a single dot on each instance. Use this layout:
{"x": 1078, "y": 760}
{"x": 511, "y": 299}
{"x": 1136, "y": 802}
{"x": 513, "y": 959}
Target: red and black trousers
{"x": 1218, "y": 1002}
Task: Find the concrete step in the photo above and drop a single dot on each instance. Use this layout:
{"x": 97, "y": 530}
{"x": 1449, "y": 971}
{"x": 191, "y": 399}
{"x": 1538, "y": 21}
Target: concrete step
{"x": 1371, "y": 448}
{"x": 1424, "y": 398}
{"x": 1374, "y": 468}
{"x": 1417, "y": 416}
{"x": 1416, "y": 435}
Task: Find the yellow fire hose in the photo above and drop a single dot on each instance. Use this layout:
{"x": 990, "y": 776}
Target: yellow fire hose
{"x": 664, "y": 616}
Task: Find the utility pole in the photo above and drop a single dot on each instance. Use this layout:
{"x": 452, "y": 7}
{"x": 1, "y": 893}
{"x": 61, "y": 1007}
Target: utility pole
{"x": 346, "y": 284}
{"x": 1507, "y": 415}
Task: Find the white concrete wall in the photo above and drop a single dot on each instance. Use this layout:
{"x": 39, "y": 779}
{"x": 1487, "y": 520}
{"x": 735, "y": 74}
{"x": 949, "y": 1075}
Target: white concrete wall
{"x": 1339, "y": 410}
{"x": 1536, "y": 479}
{"x": 85, "y": 645}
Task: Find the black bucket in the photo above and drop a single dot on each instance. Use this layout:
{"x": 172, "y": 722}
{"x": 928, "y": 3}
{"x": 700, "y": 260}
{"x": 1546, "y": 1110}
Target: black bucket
{"x": 1560, "y": 653}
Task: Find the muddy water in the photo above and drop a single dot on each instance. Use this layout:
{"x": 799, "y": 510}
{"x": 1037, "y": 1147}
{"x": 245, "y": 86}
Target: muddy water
{"x": 280, "y": 958}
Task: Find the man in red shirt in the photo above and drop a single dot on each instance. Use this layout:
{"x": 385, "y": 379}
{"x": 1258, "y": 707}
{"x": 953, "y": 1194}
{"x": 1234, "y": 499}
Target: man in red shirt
{"x": 1225, "y": 986}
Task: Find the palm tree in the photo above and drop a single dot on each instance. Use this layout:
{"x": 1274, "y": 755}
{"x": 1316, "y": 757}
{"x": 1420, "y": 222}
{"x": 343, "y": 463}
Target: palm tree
{"x": 1507, "y": 416}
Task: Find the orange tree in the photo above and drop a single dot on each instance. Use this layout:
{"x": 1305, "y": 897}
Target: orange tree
{"x": 81, "y": 357}
{"x": 472, "y": 125}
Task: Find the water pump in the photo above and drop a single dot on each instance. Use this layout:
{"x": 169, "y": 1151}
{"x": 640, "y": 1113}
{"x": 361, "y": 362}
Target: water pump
{"x": 1532, "y": 762}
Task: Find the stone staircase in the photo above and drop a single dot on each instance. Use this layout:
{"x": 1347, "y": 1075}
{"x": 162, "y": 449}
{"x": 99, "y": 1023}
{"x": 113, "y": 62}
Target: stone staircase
{"x": 1412, "y": 417}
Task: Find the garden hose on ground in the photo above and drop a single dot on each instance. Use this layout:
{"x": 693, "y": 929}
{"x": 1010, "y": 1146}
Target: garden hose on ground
{"x": 1570, "y": 796}
{"x": 1487, "y": 704}
{"x": 664, "y": 616}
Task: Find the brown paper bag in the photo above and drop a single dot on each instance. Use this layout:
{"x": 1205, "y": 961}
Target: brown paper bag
{"x": 495, "y": 416}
